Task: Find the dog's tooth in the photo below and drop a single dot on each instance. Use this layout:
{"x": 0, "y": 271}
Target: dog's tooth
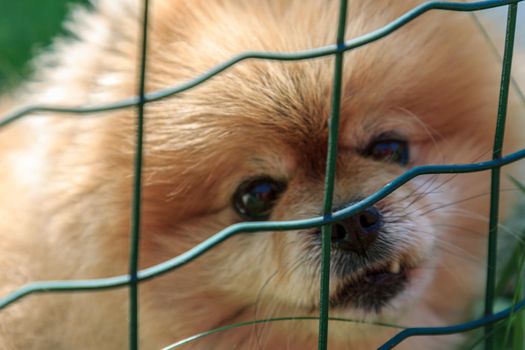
{"x": 395, "y": 267}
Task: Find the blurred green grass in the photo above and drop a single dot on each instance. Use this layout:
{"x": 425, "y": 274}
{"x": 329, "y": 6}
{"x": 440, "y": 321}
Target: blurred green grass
{"x": 26, "y": 28}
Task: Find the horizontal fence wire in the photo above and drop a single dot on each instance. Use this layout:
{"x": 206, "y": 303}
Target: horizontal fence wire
{"x": 253, "y": 227}
{"x": 276, "y": 56}
{"x": 135, "y": 276}
{"x": 459, "y": 328}
{"x": 268, "y": 320}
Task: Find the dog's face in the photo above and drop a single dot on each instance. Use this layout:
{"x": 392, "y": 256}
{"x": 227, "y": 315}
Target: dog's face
{"x": 251, "y": 144}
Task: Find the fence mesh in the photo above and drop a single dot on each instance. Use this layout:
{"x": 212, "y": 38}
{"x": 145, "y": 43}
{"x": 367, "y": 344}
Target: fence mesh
{"x": 135, "y": 276}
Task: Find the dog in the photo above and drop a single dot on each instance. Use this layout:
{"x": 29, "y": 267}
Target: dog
{"x": 247, "y": 145}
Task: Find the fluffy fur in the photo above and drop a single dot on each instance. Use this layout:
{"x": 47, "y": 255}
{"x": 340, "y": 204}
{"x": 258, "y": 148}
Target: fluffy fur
{"x": 65, "y": 188}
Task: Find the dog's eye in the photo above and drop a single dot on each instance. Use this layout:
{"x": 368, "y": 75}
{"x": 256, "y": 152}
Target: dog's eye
{"x": 255, "y": 198}
{"x": 389, "y": 150}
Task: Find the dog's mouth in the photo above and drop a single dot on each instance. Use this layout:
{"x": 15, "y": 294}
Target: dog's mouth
{"x": 372, "y": 288}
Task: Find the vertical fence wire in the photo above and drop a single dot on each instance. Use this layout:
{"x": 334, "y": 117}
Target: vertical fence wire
{"x": 137, "y": 192}
{"x": 331, "y": 161}
{"x": 495, "y": 173}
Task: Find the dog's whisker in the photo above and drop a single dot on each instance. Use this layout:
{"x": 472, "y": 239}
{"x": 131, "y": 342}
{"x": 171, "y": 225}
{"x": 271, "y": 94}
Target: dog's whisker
{"x": 439, "y": 186}
{"x": 259, "y": 329}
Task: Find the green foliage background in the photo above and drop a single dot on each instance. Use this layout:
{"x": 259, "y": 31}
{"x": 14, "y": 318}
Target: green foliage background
{"x": 26, "y": 28}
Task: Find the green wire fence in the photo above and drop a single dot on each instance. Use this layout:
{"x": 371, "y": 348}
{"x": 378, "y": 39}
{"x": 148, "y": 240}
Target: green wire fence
{"x": 135, "y": 276}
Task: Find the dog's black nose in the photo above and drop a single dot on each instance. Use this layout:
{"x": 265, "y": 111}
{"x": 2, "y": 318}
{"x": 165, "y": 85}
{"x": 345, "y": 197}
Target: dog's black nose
{"x": 358, "y": 232}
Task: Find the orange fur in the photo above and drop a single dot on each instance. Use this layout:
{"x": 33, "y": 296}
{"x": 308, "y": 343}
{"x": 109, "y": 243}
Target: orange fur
{"x": 65, "y": 188}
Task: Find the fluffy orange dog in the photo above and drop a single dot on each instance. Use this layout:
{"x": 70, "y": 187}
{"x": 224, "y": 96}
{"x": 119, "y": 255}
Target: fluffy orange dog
{"x": 250, "y": 144}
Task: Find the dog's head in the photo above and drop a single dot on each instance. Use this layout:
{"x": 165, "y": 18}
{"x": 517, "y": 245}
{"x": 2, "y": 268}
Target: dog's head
{"x": 250, "y": 144}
